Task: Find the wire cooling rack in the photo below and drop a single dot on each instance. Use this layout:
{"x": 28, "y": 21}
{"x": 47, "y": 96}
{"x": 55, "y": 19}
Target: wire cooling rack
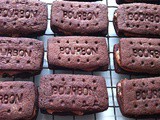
{"x": 113, "y": 112}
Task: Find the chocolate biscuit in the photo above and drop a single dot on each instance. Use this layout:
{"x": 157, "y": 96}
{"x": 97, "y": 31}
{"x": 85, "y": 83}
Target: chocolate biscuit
{"x": 79, "y": 18}
{"x": 72, "y": 94}
{"x": 22, "y": 18}
{"x": 18, "y": 100}
{"x": 138, "y": 1}
{"x": 82, "y": 53}
{"x": 139, "y": 97}
{"x": 20, "y": 55}
{"x": 139, "y": 55}
{"x": 137, "y": 20}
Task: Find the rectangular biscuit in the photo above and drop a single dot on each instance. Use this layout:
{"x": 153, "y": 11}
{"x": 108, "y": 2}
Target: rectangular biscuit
{"x": 142, "y": 56}
{"x": 20, "y": 55}
{"x": 72, "y": 94}
{"x": 139, "y": 97}
{"x": 18, "y": 100}
{"x": 138, "y": 1}
{"x": 83, "y": 53}
{"x": 79, "y": 18}
{"x": 137, "y": 19}
{"x": 22, "y": 18}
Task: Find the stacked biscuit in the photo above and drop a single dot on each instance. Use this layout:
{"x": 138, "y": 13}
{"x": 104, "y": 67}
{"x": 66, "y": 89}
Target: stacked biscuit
{"x": 138, "y": 53}
{"x": 23, "y": 57}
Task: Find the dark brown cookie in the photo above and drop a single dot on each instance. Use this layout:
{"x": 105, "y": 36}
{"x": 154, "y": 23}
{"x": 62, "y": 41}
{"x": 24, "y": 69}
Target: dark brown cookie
{"x": 20, "y": 55}
{"x": 138, "y": 19}
{"x": 138, "y": 1}
{"x": 83, "y": 53}
{"x": 18, "y": 101}
{"x": 22, "y": 18}
{"x": 140, "y": 55}
{"x": 72, "y": 94}
{"x": 139, "y": 97}
{"x": 79, "y": 18}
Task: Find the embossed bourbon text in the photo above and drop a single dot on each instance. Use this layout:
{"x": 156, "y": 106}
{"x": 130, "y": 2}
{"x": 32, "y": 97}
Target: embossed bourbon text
{"x": 72, "y": 90}
{"x": 79, "y": 50}
{"x": 15, "y": 52}
{"x": 140, "y": 16}
{"x": 18, "y": 13}
{"x": 10, "y": 99}
{"x": 147, "y": 94}
{"x": 80, "y": 15}
{"x": 146, "y": 53}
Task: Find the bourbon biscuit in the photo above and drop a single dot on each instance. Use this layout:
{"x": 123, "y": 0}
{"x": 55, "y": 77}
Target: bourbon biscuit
{"x": 137, "y": 20}
{"x": 82, "y": 53}
{"x": 79, "y": 18}
{"x": 18, "y": 100}
{"x": 20, "y": 55}
{"x": 72, "y": 94}
{"x": 22, "y": 18}
{"x": 142, "y": 56}
{"x": 139, "y": 97}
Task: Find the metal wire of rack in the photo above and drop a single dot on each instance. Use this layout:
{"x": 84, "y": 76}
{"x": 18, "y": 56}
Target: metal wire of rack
{"x": 113, "y": 112}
